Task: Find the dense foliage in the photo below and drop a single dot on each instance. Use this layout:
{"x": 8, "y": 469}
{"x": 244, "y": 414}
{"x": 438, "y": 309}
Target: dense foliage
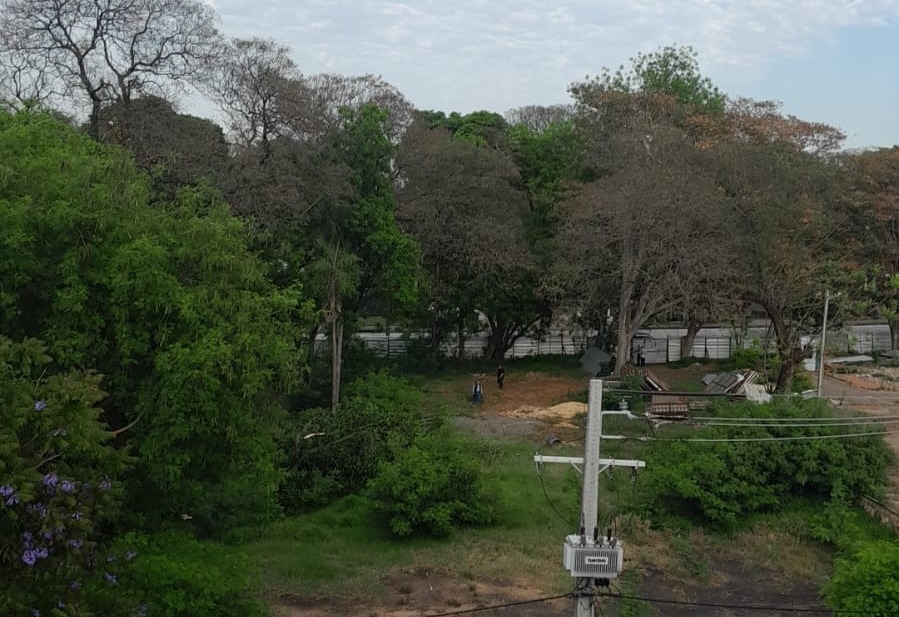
{"x": 163, "y": 299}
{"x": 866, "y": 579}
{"x": 60, "y": 486}
{"x": 432, "y": 486}
{"x": 723, "y": 482}
{"x": 333, "y": 453}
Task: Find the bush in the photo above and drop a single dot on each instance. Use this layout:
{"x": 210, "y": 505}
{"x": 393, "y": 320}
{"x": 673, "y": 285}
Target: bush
{"x": 722, "y": 482}
{"x": 333, "y": 453}
{"x": 433, "y": 487}
{"x": 867, "y": 581}
{"x": 172, "y": 574}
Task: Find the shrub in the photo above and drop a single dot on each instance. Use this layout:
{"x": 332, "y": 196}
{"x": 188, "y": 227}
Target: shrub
{"x": 172, "y": 574}
{"x": 866, "y": 581}
{"x": 721, "y": 482}
{"x": 433, "y": 487}
{"x": 333, "y": 453}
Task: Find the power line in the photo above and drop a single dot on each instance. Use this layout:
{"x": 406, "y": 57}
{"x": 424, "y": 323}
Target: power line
{"x": 835, "y": 419}
{"x": 748, "y": 607}
{"x": 549, "y": 501}
{"x": 799, "y": 424}
{"x": 499, "y": 606}
{"x": 748, "y": 439}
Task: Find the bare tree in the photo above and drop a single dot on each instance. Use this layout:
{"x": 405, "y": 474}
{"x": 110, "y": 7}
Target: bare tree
{"x": 24, "y": 80}
{"x": 257, "y": 86}
{"x": 329, "y": 93}
{"x": 111, "y": 50}
{"x": 538, "y": 118}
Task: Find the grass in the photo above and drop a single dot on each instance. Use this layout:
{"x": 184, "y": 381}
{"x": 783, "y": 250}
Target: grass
{"x": 343, "y": 548}
{"x": 344, "y": 551}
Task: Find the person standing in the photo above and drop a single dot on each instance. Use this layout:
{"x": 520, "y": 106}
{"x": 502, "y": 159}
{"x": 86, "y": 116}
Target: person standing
{"x": 477, "y": 392}
{"x": 500, "y": 376}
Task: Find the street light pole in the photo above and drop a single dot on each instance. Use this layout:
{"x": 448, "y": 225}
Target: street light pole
{"x": 823, "y": 342}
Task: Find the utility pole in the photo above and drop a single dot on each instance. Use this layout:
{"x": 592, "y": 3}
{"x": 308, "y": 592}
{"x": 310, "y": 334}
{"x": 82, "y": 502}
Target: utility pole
{"x": 588, "y": 555}
{"x": 823, "y": 342}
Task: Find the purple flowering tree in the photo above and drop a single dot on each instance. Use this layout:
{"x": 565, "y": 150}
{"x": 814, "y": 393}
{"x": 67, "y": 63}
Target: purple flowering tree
{"x": 58, "y": 489}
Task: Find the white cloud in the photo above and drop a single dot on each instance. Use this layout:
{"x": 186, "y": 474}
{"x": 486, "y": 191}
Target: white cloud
{"x": 498, "y": 54}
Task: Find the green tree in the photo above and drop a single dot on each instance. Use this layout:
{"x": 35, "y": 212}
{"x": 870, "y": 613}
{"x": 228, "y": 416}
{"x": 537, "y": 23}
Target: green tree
{"x": 672, "y": 71}
{"x": 167, "y": 302}
{"x": 365, "y": 230}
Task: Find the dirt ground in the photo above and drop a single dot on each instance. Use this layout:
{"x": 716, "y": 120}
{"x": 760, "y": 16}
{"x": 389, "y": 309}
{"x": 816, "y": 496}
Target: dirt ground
{"x": 534, "y": 404}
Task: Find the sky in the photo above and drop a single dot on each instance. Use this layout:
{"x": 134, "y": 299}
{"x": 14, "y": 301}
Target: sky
{"x": 832, "y": 61}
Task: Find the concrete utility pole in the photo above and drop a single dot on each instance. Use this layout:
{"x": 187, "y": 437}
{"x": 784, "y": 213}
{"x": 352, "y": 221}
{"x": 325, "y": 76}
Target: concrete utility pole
{"x": 823, "y": 342}
{"x": 588, "y": 555}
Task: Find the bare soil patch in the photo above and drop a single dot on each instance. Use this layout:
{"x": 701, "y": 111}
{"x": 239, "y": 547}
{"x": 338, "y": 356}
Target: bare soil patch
{"x": 421, "y": 592}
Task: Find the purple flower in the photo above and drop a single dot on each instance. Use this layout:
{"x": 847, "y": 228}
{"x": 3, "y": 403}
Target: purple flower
{"x": 67, "y": 487}
{"x": 76, "y": 543}
{"x": 41, "y": 553}
{"x": 29, "y": 557}
{"x": 7, "y": 491}
{"x": 75, "y": 585}
{"x": 47, "y": 534}
{"x": 130, "y": 555}
{"x": 110, "y": 558}
{"x": 39, "y": 508}
{"x": 142, "y": 611}
{"x": 60, "y": 604}
{"x": 40, "y": 405}
{"x": 77, "y": 516}
{"x": 35, "y": 613}
{"x": 27, "y": 539}
{"x": 60, "y": 432}
{"x": 111, "y": 578}
{"x": 12, "y": 500}
{"x": 50, "y": 480}
{"x": 105, "y": 485}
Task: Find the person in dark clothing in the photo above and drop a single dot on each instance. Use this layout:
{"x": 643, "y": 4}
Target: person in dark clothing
{"x": 500, "y": 376}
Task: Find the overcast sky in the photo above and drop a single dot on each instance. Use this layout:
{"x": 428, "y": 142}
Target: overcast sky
{"x": 834, "y": 61}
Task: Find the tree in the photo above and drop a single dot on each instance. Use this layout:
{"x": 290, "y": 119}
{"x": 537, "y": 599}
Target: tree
{"x": 167, "y": 302}
{"x": 257, "y": 85}
{"x": 875, "y": 210}
{"x": 464, "y": 206}
{"x": 175, "y": 150}
{"x": 783, "y": 221}
{"x": 637, "y": 233}
{"x": 61, "y": 485}
{"x": 539, "y": 118}
{"x": 106, "y": 51}
{"x": 670, "y": 71}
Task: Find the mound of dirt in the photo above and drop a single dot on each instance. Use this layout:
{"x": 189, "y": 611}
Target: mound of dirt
{"x": 566, "y": 410}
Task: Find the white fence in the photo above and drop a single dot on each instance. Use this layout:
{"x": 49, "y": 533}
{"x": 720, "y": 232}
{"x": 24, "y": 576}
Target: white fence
{"x": 658, "y": 344}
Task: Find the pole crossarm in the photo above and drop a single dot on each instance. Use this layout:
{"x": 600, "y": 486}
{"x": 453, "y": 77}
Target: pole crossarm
{"x": 604, "y": 463}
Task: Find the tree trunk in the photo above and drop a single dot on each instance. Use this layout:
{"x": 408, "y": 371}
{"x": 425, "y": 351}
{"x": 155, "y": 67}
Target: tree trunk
{"x": 460, "y": 338}
{"x": 686, "y": 347}
{"x": 336, "y": 353}
{"x": 623, "y": 349}
{"x": 894, "y": 333}
{"x": 790, "y": 358}
{"x": 93, "y": 122}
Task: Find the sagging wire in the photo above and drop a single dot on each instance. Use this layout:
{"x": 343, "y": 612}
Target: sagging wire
{"x": 548, "y": 500}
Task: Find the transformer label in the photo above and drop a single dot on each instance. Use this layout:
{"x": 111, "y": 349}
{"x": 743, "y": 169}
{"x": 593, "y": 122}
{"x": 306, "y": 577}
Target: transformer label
{"x": 596, "y": 561}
